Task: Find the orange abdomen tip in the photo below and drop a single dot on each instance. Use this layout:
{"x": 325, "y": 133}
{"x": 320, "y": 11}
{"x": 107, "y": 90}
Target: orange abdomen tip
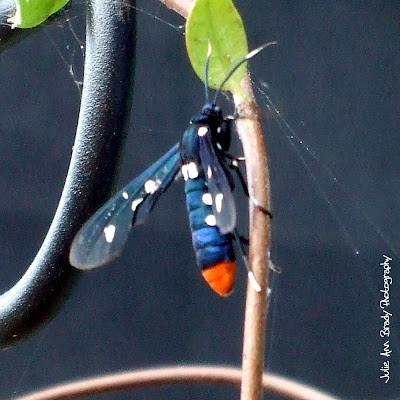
{"x": 221, "y": 277}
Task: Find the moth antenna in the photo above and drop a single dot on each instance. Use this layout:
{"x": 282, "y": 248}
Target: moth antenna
{"x": 237, "y": 65}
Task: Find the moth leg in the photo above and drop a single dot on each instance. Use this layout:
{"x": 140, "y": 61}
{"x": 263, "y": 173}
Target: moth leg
{"x": 244, "y": 241}
{"x": 234, "y": 164}
{"x": 240, "y": 241}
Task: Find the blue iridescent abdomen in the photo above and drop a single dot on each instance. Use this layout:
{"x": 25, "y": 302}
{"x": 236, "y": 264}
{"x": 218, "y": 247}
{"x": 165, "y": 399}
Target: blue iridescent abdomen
{"x": 211, "y": 247}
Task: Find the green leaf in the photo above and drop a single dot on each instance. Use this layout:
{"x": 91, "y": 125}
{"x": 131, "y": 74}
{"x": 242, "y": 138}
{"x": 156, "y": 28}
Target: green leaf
{"x": 218, "y": 23}
{"x": 30, "y": 13}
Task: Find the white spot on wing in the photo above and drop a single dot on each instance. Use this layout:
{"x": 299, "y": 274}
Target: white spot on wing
{"x": 209, "y": 172}
{"x": 210, "y": 220}
{"x": 218, "y": 202}
{"x": 135, "y": 203}
{"x": 109, "y": 233}
{"x": 192, "y": 170}
{"x": 151, "y": 186}
{"x": 202, "y": 130}
{"x": 207, "y": 199}
{"x": 184, "y": 170}
{"x": 125, "y": 195}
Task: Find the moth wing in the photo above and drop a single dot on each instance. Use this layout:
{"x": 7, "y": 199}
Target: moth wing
{"x": 219, "y": 183}
{"x": 104, "y": 235}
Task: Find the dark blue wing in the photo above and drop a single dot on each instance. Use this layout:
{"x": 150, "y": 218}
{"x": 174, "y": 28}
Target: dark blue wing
{"x": 218, "y": 184}
{"x": 103, "y": 236}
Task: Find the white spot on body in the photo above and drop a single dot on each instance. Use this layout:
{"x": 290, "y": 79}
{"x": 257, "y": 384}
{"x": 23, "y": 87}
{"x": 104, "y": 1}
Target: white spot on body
{"x": 210, "y": 220}
{"x": 151, "y": 186}
{"x": 184, "y": 170}
{"x": 202, "y": 130}
{"x": 219, "y": 129}
{"x": 125, "y": 195}
{"x": 207, "y": 199}
{"x": 218, "y": 202}
{"x": 209, "y": 172}
{"x": 219, "y": 147}
{"x": 135, "y": 203}
{"x": 192, "y": 170}
{"x": 109, "y": 233}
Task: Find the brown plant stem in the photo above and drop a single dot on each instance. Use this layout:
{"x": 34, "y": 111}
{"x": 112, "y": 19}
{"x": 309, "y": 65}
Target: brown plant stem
{"x": 250, "y": 131}
{"x": 182, "y": 7}
{"x": 172, "y": 375}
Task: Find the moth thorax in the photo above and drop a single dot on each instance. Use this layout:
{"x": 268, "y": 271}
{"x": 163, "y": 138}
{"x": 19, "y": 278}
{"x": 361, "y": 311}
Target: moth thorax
{"x": 222, "y": 135}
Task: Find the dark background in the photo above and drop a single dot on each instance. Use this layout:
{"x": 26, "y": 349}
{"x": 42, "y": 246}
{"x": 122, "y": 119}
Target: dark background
{"x": 334, "y": 76}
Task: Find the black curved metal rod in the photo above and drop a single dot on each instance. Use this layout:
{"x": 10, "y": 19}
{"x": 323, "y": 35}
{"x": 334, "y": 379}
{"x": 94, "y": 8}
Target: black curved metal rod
{"x": 101, "y": 133}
